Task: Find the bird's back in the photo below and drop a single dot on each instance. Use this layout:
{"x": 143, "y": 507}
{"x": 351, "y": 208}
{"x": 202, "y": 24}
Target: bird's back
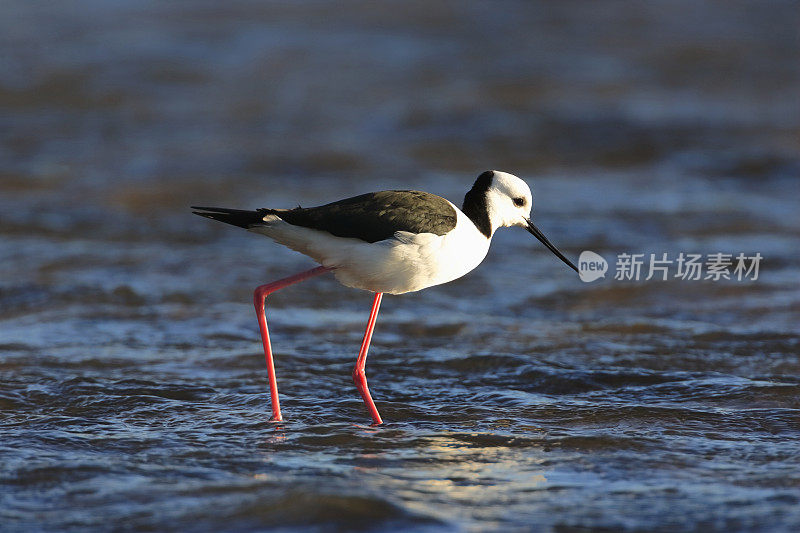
{"x": 375, "y": 216}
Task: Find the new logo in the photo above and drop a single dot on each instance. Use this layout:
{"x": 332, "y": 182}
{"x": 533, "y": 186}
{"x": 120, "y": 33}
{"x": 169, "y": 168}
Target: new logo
{"x": 591, "y": 266}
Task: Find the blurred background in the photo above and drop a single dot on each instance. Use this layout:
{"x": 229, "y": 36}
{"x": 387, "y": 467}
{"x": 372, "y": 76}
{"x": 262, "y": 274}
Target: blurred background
{"x": 133, "y": 388}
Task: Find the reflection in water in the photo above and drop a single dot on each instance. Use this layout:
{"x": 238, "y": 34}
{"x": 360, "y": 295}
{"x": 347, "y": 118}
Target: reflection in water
{"x": 455, "y": 480}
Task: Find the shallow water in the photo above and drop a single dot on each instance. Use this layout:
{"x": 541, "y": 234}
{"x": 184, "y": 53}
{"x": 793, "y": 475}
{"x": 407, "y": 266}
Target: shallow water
{"x": 133, "y": 392}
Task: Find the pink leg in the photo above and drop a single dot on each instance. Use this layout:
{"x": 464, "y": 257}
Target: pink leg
{"x": 359, "y": 372}
{"x": 259, "y": 300}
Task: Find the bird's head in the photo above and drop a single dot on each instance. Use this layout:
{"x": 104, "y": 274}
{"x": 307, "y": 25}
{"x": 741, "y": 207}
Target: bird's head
{"x": 499, "y": 199}
{"x": 508, "y": 199}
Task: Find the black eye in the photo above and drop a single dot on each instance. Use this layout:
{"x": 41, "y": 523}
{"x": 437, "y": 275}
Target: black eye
{"x": 519, "y": 202}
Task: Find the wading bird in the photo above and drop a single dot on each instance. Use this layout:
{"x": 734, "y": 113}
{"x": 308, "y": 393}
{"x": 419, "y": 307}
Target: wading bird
{"x": 387, "y": 242}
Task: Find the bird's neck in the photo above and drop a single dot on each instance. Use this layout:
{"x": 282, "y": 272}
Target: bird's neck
{"x": 476, "y": 208}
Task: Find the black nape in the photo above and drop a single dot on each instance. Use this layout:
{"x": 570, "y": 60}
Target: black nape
{"x": 475, "y": 203}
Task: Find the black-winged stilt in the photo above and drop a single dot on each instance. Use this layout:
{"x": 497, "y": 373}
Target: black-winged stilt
{"x": 387, "y": 242}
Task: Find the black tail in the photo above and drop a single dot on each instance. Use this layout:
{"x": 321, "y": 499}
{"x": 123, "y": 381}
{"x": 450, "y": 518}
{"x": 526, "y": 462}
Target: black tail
{"x": 237, "y": 217}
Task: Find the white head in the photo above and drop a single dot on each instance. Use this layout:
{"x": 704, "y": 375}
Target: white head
{"x": 508, "y": 200}
{"x": 499, "y": 199}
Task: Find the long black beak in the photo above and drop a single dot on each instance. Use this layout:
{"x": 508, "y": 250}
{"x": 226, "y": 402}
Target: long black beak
{"x": 533, "y": 230}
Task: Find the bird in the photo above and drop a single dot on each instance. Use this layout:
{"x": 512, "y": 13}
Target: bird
{"x": 387, "y": 242}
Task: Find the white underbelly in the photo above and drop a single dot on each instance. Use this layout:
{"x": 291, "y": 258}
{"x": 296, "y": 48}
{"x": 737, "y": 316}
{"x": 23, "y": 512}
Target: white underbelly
{"x": 406, "y": 263}
{"x": 410, "y": 264}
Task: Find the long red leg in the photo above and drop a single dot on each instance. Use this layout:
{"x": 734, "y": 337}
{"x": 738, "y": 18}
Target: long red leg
{"x": 259, "y": 300}
{"x": 359, "y": 372}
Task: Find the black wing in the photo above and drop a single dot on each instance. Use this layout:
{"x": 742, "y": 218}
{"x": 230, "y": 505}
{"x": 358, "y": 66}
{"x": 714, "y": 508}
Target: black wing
{"x": 376, "y": 216}
{"x": 371, "y": 217}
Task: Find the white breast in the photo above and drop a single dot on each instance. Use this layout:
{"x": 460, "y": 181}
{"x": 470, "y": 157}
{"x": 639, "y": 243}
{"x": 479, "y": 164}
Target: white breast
{"x": 408, "y": 262}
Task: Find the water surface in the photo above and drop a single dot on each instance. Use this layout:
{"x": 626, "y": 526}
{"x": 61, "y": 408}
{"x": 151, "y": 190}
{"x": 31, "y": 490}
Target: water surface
{"x": 132, "y": 384}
